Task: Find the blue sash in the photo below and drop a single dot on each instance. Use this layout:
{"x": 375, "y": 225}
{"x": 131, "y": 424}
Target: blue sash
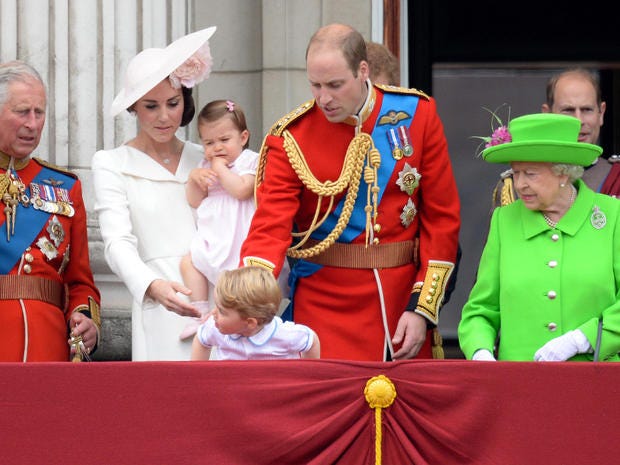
{"x": 28, "y": 223}
{"x": 357, "y": 222}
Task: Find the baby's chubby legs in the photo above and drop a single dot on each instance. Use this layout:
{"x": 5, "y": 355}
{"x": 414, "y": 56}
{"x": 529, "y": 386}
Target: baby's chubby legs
{"x": 199, "y": 297}
{"x": 194, "y": 279}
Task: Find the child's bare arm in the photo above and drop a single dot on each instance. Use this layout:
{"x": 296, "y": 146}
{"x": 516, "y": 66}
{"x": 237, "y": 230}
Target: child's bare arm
{"x": 239, "y": 187}
{"x": 200, "y": 352}
{"x": 315, "y": 349}
{"x": 196, "y": 188}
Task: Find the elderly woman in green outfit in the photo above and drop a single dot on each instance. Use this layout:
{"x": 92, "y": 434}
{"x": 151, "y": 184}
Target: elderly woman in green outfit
{"x": 549, "y": 274}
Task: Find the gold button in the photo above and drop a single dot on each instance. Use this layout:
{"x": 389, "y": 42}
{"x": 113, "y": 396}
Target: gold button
{"x": 27, "y": 268}
{"x": 377, "y": 228}
{"x": 429, "y": 299}
{"x": 375, "y": 240}
{"x": 28, "y": 257}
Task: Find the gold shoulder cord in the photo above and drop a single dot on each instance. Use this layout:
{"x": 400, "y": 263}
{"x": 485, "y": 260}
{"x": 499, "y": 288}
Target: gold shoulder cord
{"x": 350, "y": 177}
{"x": 360, "y": 147}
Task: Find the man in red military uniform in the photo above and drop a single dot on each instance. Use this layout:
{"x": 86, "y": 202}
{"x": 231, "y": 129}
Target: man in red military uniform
{"x": 358, "y": 187}
{"x": 49, "y": 305}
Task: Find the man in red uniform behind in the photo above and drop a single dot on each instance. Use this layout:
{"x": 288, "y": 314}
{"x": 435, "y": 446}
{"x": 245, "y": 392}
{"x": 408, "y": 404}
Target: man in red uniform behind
{"x": 347, "y": 183}
{"x": 49, "y": 305}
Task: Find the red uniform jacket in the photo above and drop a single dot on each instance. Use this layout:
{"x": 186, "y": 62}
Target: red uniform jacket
{"x": 344, "y": 305}
{"x": 46, "y": 244}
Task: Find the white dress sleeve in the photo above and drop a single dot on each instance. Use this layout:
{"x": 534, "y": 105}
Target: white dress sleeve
{"x": 120, "y": 244}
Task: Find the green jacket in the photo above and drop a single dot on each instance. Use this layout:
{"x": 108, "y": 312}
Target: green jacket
{"x": 536, "y": 283}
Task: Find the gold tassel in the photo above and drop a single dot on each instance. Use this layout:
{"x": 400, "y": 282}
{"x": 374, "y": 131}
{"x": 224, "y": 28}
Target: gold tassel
{"x": 380, "y": 393}
{"x": 508, "y": 195}
{"x": 437, "y": 346}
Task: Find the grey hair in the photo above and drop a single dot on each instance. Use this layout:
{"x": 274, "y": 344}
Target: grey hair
{"x": 573, "y": 172}
{"x": 16, "y": 70}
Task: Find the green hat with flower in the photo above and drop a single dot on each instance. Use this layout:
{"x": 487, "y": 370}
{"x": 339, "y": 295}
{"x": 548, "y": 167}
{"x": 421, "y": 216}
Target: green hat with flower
{"x": 543, "y": 137}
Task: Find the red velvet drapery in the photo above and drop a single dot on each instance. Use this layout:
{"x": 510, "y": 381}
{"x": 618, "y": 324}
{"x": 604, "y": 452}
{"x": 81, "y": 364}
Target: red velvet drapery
{"x": 308, "y": 412}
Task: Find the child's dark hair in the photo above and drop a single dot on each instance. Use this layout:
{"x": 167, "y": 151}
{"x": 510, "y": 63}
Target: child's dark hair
{"x": 218, "y": 109}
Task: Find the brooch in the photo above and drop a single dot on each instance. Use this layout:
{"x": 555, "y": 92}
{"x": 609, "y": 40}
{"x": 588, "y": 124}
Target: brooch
{"x": 598, "y": 218}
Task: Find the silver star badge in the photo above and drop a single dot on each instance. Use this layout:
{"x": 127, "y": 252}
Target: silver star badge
{"x": 55, "y": 230}
{"x": 408, "y": 179}
{"x": 408, "y": 214}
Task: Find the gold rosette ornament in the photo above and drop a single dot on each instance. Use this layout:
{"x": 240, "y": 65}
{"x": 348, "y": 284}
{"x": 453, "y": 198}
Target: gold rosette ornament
{"x": 380, "y": 393}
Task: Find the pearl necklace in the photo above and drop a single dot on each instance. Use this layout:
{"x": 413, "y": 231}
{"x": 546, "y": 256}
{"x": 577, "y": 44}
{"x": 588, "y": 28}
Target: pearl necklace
{"x": 549, "y": 221}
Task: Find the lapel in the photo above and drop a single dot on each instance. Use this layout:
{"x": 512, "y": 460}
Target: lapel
{"x": 575, "y": 217}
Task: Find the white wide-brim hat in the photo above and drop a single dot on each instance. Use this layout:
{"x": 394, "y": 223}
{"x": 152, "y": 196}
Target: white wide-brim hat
{"x": 152, "y": 65}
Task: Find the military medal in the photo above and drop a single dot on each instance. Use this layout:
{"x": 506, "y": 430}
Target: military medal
{"x": 397, "y": 151}
{"x": 55, "y": 230}
{"x": 51, "y": 198}
{"x": 408, "y": 179}
{"x": 598, "y": 218}
{"x": 408, "y": 214}
{"x": 47, "y": 248}
{"x": 404, "y": 138}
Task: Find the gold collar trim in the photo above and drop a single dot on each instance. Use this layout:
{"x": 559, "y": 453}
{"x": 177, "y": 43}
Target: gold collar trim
{"x": 366, "y": 110}
{"x": 18, "y": 163}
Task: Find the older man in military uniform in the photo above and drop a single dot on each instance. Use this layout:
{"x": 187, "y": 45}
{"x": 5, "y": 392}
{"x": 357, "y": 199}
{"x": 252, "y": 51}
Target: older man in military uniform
{"x": 49, "y": 305}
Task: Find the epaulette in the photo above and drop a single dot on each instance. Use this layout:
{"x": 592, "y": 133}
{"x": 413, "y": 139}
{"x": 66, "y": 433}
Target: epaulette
{"x": 402, "y": 90}
{"x": 278, "y": 128}
{"x": 49, "y": 165}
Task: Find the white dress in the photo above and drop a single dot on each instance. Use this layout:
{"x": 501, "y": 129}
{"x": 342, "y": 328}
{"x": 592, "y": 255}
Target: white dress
{"x": 223, "y": 223}
{"x": 147, "y": 226}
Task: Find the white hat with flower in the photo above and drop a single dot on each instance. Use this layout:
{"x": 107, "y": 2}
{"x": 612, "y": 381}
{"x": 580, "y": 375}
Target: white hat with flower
{"x": 186, "y": 62}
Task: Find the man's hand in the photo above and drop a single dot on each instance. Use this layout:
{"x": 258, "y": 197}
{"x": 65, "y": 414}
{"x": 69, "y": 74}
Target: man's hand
{"x": 411, "y": 331}
{"x": 85, "y": 328}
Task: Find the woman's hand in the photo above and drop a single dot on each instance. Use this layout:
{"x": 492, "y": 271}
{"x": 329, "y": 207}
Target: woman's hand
{"x": 165, "y": 292}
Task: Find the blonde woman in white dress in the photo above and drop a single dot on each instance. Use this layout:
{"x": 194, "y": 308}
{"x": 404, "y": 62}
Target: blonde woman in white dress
{"x": 145, "y": 221}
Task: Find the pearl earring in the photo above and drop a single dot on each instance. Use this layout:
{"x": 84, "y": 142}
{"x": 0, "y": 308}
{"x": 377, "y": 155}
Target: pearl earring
{"x": 562, "y": 184}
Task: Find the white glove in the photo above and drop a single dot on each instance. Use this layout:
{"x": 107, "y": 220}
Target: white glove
{"x": 564, "y": 347}
{"x": 483, "y": 355}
